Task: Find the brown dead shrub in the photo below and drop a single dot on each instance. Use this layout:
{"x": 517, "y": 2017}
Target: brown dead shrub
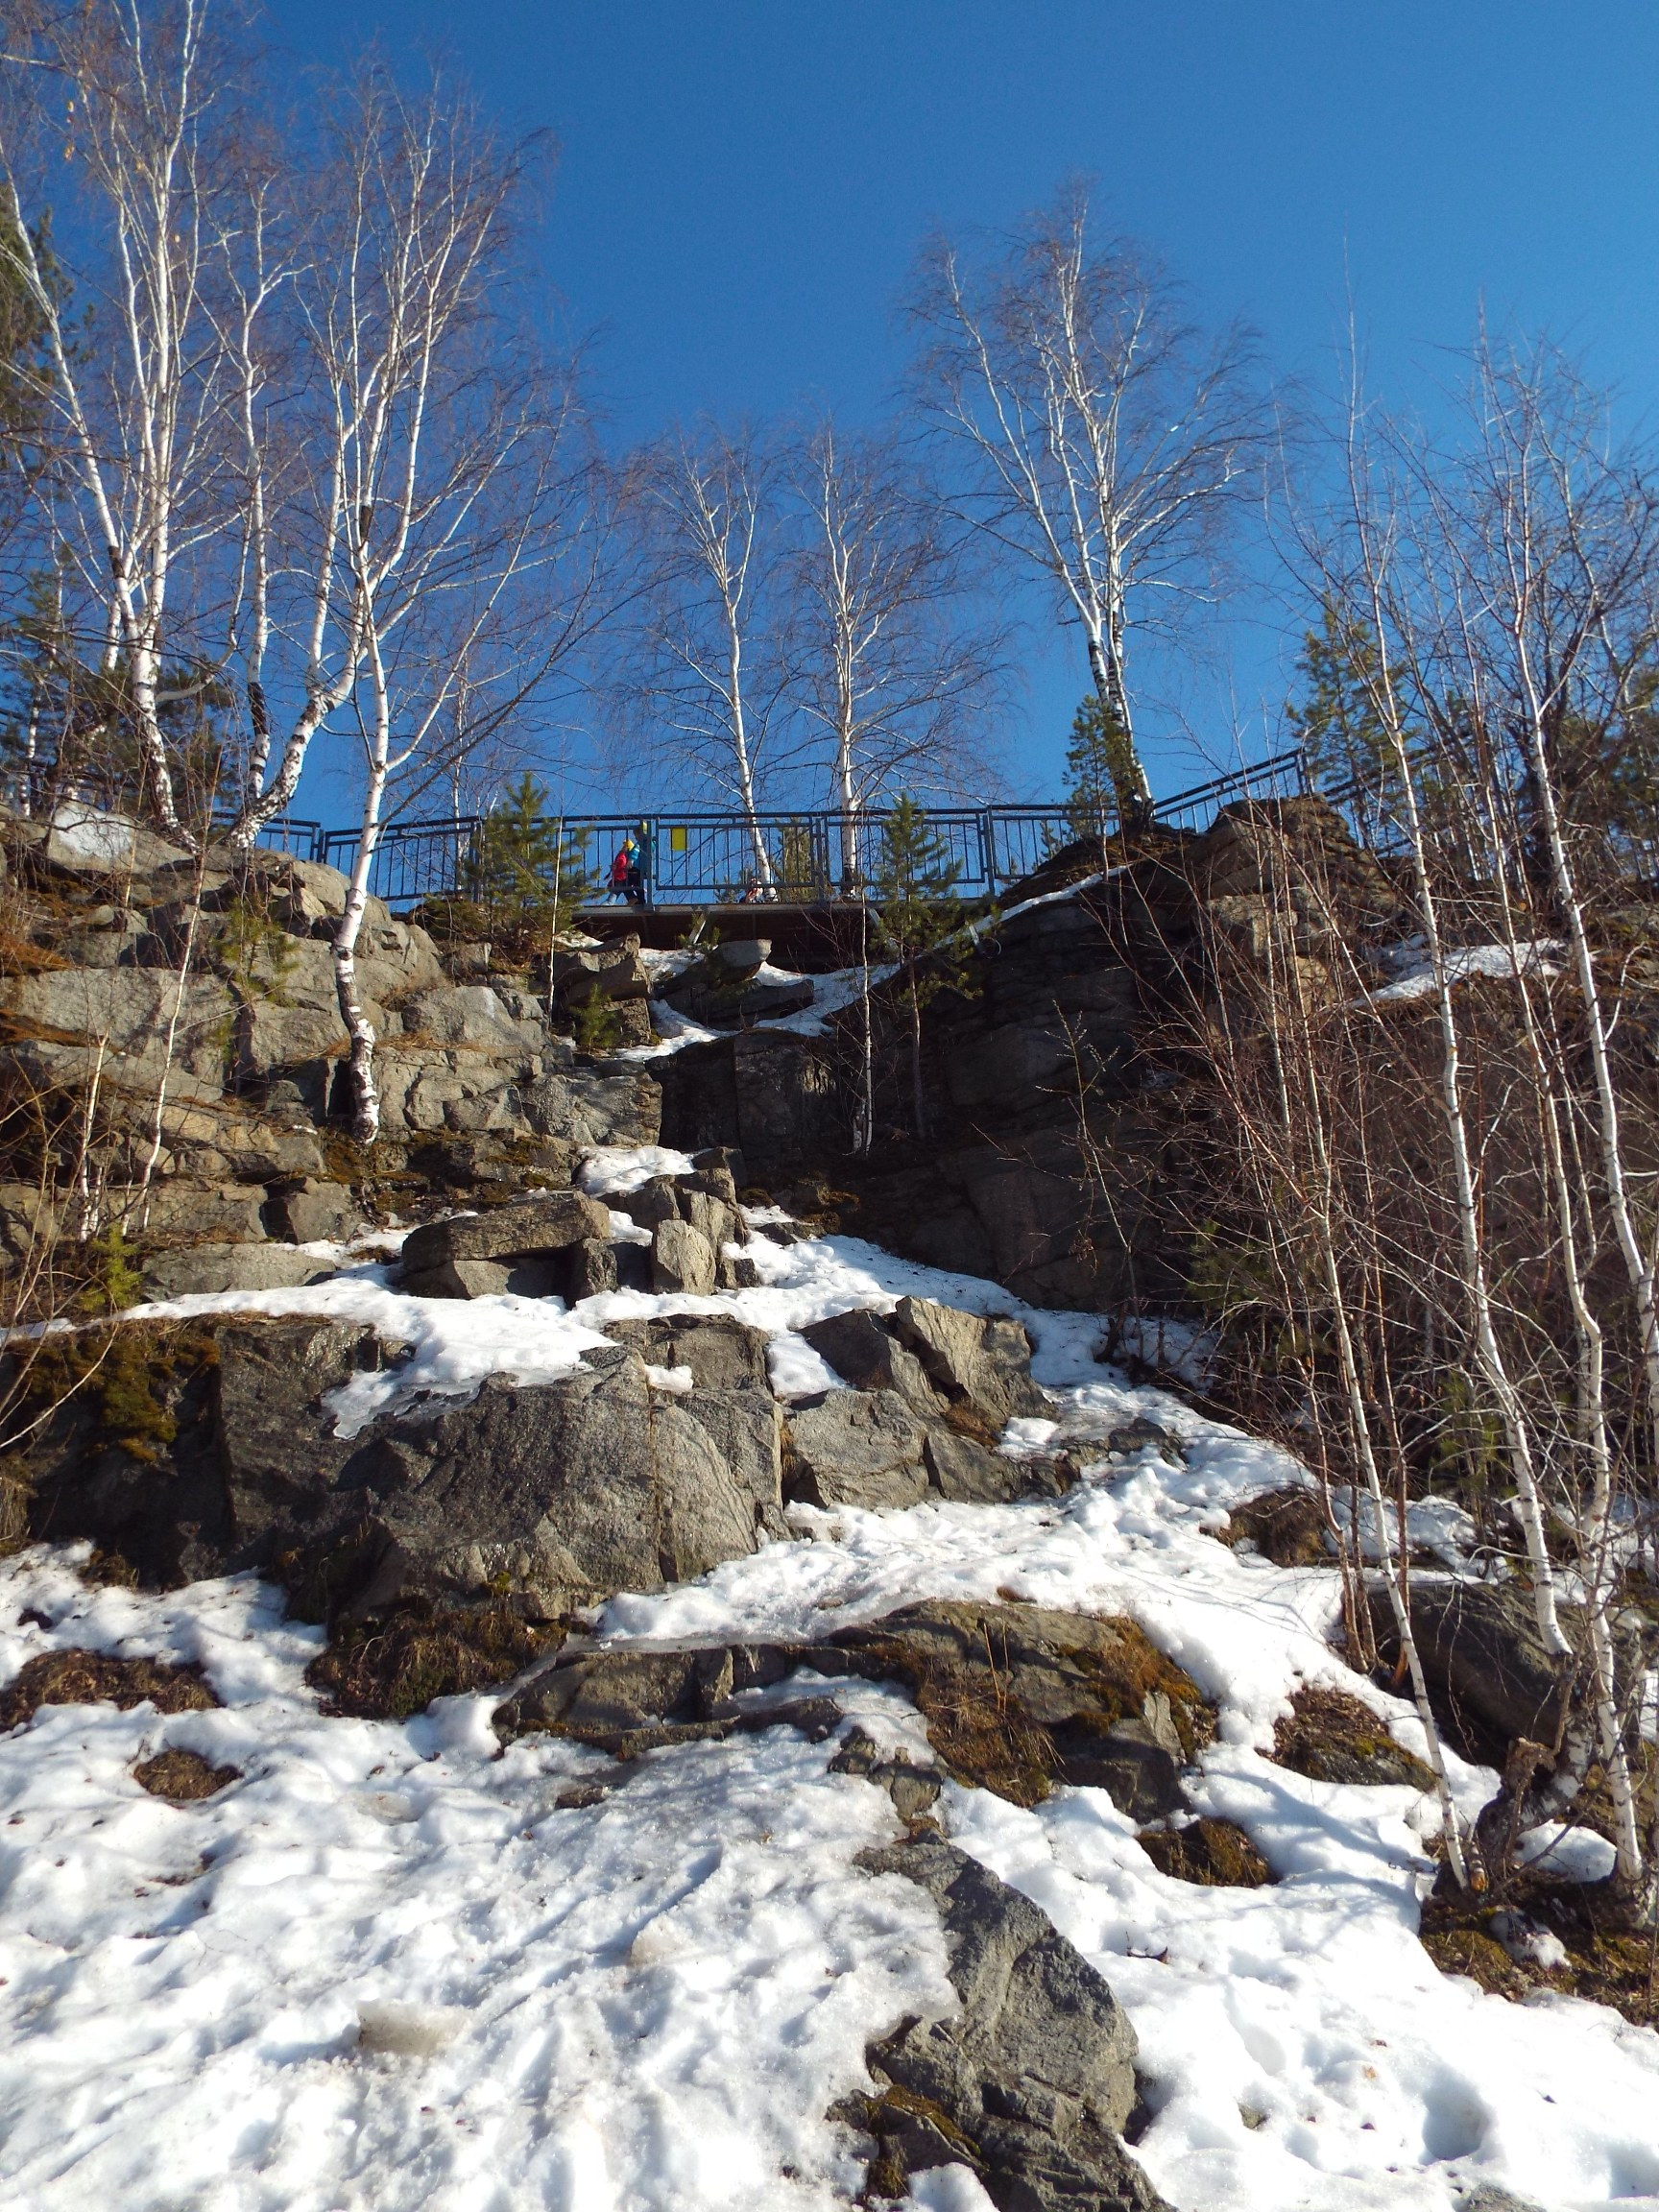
{"x": 1216, "y": 1853}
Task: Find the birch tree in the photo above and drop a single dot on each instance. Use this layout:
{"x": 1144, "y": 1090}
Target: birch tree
{"x": 134, "y": 97}
{"x": 894, "y": 667}
{"x": 443, "y": 548}
{"x": 1500, "y": 586}
{"x": 1101, "y": 437}
{"x": 708, "y": 685}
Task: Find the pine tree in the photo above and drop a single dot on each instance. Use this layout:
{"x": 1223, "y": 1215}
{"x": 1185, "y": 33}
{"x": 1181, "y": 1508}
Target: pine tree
{"x": 920, "y": 924}
{"x": 1344, "y": 739}
{"x": 1100, "y": 765}
{"x": 525, "y": 869}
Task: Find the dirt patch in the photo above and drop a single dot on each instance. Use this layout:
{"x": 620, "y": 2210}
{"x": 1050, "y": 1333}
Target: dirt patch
{"x": 1530, "y": 1934}
{"x": 182, "y": 1777}
{"x": 78, "y": 1677}
{"x": 390, "y": 1669}
{"x": 1331, "y": 1737}
{"x": 1216, "y": 1853}
{"x": 1285, "y": 1526}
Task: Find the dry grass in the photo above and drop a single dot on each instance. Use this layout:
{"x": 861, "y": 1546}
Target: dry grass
{"x": 389, "y": 1670}
{"x": 183, "y": 1777}
{"x": 1464, "y": 1930}
{"x": 981, "y": 1730}
{"x": 78, "y": 1677}
{"x": 1286, "y": 1526}
{"x": 1331, "y": 1737}
{"x": 1216, "y": 1853}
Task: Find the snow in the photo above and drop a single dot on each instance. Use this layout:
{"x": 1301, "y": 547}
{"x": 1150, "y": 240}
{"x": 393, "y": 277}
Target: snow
{"x": 838, "y": 988}
{"x": 1416, "y": 979}
{"x": 613, "y": 1171}
{"x": 674, "y": 1032}
{"x": 387, "y": 1969}
{"x": 1046, "y": 898}
{"x": 1568, "y": 1854}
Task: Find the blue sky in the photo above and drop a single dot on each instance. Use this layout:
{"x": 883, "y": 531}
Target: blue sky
{"x": 742, "y": 184}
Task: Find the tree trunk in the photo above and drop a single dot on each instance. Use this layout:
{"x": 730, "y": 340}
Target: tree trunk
{"x": 365, "y": 1093}
{"x": 918, "y": 1097}
{"x": 1129, "y": 785}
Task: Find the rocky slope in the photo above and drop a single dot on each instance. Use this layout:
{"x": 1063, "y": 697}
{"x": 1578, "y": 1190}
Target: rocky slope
{"x": 534, "y": 1677}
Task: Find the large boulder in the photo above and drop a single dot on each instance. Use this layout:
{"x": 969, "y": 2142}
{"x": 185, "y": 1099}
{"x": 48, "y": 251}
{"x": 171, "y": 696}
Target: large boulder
{"x": 196, "y": 1269}
{"x": 682, "y": 1260}
{"x": 1489, "y": 1672}
{"x": 982, "y": 1362}
{"x": 1029, "y": 2084}
{"x": 545, "y": 1495}
{"x": 730, "y": 1395}
{"x": 705, "y": 1200}
{"x": 546, "y": 1223}
{"x": 82, "y": 841}
{"x": 721, "y": 1352}
{"x": 864, "y": 1351}
{"x": 613, "y": 970}
{"x": 976, "y": 1374}
{"x": 857, "y": 1447}
{"x": 526, "y": 1247}
{"x": 567, "y": 1491}
{"x": 314, "y": 1210}
{"x": 895, "y": 1435}
{"x": 280, "y": 1454}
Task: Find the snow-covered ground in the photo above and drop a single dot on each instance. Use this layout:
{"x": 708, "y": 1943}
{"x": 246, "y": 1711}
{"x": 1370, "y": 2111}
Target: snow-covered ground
{"x": 1414, "y": 973}
{"x": 387, "y": 1969}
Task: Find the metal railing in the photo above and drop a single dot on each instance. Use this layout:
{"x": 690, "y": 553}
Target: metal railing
{"x": 801, "y": 858}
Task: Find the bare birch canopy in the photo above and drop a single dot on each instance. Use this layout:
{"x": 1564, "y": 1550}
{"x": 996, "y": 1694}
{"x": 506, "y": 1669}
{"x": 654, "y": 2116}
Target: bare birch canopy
{"x": 894, "y": 661}
{"x": 301, "y": 442}
{"x": 1097, "y": 433}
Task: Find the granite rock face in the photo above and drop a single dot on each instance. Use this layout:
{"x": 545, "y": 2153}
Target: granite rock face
{"x": 1030, "y": 2083}
{"x": 932, "y": 1391}
{"x": 567, "y": 1491}
{"x": 526, "y": 1228}
{"x": 857, "y": 1447}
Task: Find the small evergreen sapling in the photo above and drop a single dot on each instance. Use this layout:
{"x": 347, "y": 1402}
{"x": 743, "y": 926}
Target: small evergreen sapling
{"x": 1344, "y": 739}
{"x": 920, "y": 924}
{"x": 1099, "y": 768}
{"x": 525, "y": 870}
